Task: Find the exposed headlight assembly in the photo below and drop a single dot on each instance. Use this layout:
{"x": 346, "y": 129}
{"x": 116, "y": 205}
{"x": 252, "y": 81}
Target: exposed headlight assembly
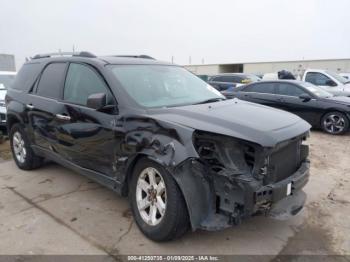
{"x": 225, "y": 154}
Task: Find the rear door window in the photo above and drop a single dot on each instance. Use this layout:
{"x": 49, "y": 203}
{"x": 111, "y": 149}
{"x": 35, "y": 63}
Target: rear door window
{"x": 51, "y": 81}
{"x": 83, "y": 81}
{"x": 289, "y": 90}
{"x": 265, "y": 88}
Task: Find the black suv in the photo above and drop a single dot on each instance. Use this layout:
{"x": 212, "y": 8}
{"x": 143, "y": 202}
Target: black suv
{"x": 184, "y": 155}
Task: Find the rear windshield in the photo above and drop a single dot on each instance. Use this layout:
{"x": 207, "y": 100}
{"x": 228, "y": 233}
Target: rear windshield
{"x": 252, "y": 77}
{"x": 26, "y": 76}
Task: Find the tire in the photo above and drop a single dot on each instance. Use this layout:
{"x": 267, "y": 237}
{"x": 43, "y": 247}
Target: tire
{"x": 335, "y": 123}
{"x": 19, "y": 140}
{"x": 175, "y": 221}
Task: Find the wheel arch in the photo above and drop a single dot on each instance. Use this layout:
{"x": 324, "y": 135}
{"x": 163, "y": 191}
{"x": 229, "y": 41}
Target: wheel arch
{"x": 330, "y": 110}
{"x": 335, "y": 110}
{"x": 170, "y": 145}
{"x": 12, "y": 119}
{"x": 194, "y": 187}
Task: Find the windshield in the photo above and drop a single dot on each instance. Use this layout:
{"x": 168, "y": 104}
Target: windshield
{"x": 253, "y": 78}
{"x": 6, "y": 81}
{"x": 163, "y": 86}
{"x": 316, "y": 90}
{"x": 341, "y": 79}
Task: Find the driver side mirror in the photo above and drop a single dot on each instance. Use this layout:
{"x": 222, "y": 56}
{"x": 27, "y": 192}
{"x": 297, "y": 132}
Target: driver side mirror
{"x": 305, "y": 97}
{"x": 97, "y": 101}
{"x": 330, "y": 82}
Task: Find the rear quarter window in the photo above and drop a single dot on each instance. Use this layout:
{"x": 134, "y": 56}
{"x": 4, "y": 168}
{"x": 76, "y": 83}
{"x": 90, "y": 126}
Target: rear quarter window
{"x": 26, "y": 76}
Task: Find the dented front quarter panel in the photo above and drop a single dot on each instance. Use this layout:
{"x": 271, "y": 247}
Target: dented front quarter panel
{"x": 171, "y": 146}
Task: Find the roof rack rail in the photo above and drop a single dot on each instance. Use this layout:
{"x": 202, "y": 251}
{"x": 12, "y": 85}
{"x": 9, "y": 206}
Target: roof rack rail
{"x": 136, "y": 56}
{"x": 80, "y": 54}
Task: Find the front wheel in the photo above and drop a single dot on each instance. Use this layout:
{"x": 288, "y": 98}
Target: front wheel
{"x": 157, "y": 203}
{"x": 335, "y": 123}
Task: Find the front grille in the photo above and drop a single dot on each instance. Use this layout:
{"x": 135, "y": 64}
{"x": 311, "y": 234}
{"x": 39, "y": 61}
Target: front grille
{"x": 284, "y": 161}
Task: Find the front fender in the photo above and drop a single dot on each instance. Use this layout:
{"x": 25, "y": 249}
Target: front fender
{"x": 196, "y": 190}
{"x": 171, "y": 147}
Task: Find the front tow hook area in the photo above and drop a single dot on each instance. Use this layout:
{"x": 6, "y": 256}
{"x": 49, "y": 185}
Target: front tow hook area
{"x": 288, "y": 207}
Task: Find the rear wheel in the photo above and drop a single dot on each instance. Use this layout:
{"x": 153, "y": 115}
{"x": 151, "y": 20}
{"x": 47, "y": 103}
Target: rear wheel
{"x": 157, "y": 203}
{"x": 335, "y": 123}
{"x": 22, "y": 153}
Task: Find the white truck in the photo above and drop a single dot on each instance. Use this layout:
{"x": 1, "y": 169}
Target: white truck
{"x": 328, "y": 80}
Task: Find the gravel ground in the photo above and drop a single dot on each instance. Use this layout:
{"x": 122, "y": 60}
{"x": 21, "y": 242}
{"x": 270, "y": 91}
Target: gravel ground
{"x": 55, "y": 211}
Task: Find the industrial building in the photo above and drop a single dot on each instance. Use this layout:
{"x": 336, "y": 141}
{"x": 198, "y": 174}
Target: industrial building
{"x": 296, "y": 67}
{"x": 7, "y": 62}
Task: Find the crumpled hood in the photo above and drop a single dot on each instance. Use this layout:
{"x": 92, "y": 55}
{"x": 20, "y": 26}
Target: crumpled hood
{"x": 248, "y": 121}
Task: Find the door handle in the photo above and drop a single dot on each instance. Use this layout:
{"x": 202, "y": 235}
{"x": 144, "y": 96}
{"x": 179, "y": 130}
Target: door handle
{"x": 63, "y": 117}
{"x": 30, "y": 106}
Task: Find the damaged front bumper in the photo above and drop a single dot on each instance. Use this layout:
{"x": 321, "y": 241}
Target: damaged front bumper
{"x": 241, "y": 197}
{"x": 287, "y": 198}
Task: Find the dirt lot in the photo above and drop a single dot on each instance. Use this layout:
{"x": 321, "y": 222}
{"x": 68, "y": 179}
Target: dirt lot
{"x": 55, "y": 211}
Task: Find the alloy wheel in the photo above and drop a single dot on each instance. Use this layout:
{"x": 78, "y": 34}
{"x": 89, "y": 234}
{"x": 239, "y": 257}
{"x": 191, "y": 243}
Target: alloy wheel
{"x": 151, "y": 196}
{"x": 19, "y": 147}
{"x": 334, "y": 124}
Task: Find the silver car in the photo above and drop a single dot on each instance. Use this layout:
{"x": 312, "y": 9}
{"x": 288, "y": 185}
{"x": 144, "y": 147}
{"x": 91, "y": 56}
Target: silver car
{"x": 6, "y": 79}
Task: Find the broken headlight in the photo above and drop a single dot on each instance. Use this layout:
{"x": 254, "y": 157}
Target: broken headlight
{"x": 223, "y": 153}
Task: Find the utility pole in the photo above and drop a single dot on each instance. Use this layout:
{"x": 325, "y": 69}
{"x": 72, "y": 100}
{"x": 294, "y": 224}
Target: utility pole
{"x": 172, "y": 59}
{"x": 189, "y": 60}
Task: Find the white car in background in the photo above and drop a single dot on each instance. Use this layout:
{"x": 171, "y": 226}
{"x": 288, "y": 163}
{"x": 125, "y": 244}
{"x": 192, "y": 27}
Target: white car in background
{"x": 270, "y": 76}
{"x": 6, "y": 79}
{"x": 328, "y": 80}
{"x": 345, "y": 75}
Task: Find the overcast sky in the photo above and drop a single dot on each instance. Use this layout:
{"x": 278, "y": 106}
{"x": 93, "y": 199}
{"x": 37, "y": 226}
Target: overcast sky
{"x": 217, "y": 31}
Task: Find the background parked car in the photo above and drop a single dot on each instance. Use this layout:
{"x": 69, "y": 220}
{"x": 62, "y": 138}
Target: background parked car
{"x": 260, "y": 75}
{"x": 231, "y": 80}
{"x": 345, "y": 75}
{"x": 330, "y": 81}
{"x": 283, "y": 74}
{"x": 6, "y": 79}
{"x": 312, "y": 103}
{"x": 204, "y": 77}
